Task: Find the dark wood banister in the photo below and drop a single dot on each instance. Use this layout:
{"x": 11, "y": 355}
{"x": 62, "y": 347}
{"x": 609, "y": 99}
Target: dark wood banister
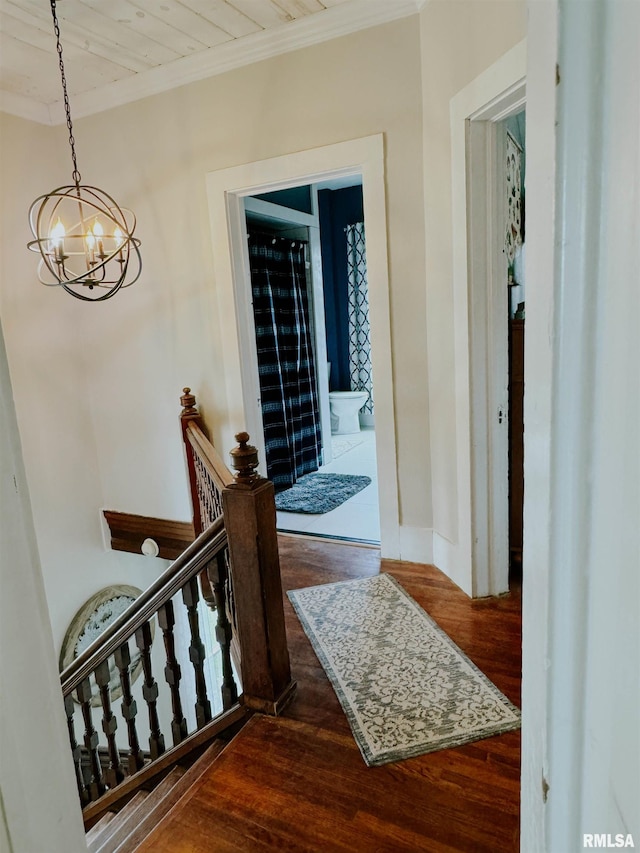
{"x": 235, "y": 557}
{"x": 209, "y": 455}
{"x": 225, "y": 723}
{"x": 192, "y": 561}
{"x": 248, "y": 503}
{"x": 250, "y": 531}
{"x": 206, "y": 499}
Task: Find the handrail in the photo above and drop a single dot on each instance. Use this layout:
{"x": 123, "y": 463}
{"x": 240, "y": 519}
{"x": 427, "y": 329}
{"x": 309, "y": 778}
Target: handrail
{"x": 209, "y": 456}
{"x": 247, "y": 503}
{"x": 200, "y": 552}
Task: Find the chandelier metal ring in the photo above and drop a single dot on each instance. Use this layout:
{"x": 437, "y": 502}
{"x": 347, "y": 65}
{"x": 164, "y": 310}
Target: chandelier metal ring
{"x": 109, "y": 259}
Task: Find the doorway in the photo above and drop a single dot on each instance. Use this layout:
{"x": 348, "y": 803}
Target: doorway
{"x": 495, "y": 171}
{"x": 227, "y": 189}
{"x": 479, "y": 560}
{"x": 308, "y": 284}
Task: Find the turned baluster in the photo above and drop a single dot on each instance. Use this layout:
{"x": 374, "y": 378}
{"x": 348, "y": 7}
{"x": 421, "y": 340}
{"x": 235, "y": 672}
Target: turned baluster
{"x": 150, "y": 690}
{"x": 96, "y": 784}
{"x": 122, "y": 658}
{"x": 197, "y": 652}
{"x": 218, "y": 578}
{"x": 172, "y": 672}
{"x": 206, "y": 591}
{"x": 69, "y": 708}
{"x": 207, "y": 579}
{"x": 115, "y": 773}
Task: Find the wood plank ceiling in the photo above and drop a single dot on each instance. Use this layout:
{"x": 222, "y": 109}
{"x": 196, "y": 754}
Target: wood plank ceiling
{"x": 110, "y": 42}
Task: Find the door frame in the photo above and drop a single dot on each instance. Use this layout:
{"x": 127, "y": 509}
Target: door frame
{"x": 226, "y": 189}
{"x": 479, "y": 561}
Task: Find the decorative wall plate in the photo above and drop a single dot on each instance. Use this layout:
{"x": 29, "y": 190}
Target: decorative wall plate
{"x": 90, "y": 622}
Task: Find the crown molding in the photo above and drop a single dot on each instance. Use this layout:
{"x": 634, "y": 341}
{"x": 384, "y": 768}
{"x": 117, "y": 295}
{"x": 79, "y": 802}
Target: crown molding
{"x": 331, "y": 23}
{"x": 18, "y": 105}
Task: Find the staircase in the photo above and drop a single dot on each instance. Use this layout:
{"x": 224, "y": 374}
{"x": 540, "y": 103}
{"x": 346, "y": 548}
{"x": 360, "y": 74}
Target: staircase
{"x": 125, "y": 830}
{"x": 165, "y": 638}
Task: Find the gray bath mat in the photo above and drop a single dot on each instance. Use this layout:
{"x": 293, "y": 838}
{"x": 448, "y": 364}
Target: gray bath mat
{"x": 318, "y": 493}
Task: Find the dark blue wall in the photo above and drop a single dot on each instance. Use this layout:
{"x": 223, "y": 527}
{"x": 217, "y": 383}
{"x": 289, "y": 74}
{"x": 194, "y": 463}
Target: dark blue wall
{"x": 337, "y": 209}
{"x": 297, "y": 198}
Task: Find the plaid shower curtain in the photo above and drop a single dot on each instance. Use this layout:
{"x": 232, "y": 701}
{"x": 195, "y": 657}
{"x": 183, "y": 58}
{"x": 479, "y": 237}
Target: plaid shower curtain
{"x": 286, "y": 363}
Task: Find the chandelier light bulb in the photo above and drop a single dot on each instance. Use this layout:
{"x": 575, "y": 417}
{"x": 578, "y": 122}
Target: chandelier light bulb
{"x": 91, "y": 247}
{"x": 98, "y": 233}
{"x": 57, "y": 241}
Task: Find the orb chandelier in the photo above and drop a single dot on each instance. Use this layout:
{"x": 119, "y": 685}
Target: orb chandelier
{"x": 85, "y": 239}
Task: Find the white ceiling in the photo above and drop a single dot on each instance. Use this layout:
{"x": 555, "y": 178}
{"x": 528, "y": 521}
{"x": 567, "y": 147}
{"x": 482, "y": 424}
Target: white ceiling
{"x": 117, "y": 51}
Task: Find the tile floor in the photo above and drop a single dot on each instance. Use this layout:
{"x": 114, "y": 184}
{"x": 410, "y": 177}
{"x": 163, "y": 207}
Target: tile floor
{"x": 358, "y": 518}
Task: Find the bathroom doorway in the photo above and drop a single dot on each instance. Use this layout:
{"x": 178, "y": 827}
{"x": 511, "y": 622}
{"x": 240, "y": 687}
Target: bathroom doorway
{"x": 236, "y": 391}
{"x": 311, "y": 356}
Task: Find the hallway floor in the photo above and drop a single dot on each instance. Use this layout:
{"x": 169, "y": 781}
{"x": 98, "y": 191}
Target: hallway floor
{"x": 298, "y": 783}
{"x": 356, "y": 519}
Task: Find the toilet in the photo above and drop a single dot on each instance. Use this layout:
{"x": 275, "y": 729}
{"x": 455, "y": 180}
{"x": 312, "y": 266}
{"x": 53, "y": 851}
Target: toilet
{"x": 344, "y": 406}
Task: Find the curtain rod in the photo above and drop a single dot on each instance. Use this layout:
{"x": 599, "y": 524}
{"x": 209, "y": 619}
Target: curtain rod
{"x": 260, "y": 235}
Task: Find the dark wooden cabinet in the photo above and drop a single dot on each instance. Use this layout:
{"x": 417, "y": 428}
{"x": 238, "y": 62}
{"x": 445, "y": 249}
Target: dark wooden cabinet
{"x": 516, "y": 436}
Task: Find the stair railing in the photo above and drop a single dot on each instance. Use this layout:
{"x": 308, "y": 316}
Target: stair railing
{"x": 254, "y": 600}
{"x": 233, "y": 565}
{"x": 107, "y": 664}
{"x": 208, "y": 474}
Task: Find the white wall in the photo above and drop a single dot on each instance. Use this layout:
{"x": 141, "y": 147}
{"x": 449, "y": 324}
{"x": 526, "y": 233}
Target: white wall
{"x": 39, "y": 808}
{"x": 58, "y": 357}
{"x": 611, "y": 737}
{"x": 97, "y": 386}
{"x": 581, "y": 654}
{"x": 594, "y": 591}
{"x": 540, "y": 206}
{"x": 105, "y": 379}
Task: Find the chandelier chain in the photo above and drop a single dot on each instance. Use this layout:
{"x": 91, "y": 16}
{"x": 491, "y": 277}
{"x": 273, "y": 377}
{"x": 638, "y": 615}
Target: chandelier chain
{"x": 75, "y": 174}
{"x": 90, "y": 261}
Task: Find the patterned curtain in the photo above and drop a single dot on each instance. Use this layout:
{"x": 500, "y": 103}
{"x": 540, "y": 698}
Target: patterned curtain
{"x": 286, "y": 363}
{"x": 513, "y": 232}
{"x": 359, "y": 329}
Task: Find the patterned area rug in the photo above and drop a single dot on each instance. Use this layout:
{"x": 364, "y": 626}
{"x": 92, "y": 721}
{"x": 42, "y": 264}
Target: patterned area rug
{"x": 405, "y": 687}
{"x": 318, "y": 493}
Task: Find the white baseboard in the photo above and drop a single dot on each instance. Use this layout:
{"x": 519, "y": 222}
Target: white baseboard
{"x": 446, "y": 557}
{"x": 425, "y": 545}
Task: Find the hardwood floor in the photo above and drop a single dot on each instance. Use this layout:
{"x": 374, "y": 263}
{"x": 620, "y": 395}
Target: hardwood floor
{"x": 298, "y": 783}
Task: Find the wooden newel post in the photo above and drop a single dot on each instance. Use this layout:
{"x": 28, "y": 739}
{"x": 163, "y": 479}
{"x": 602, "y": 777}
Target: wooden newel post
{"x": 250, "y": 520}
{"x": 190, "y": 414}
